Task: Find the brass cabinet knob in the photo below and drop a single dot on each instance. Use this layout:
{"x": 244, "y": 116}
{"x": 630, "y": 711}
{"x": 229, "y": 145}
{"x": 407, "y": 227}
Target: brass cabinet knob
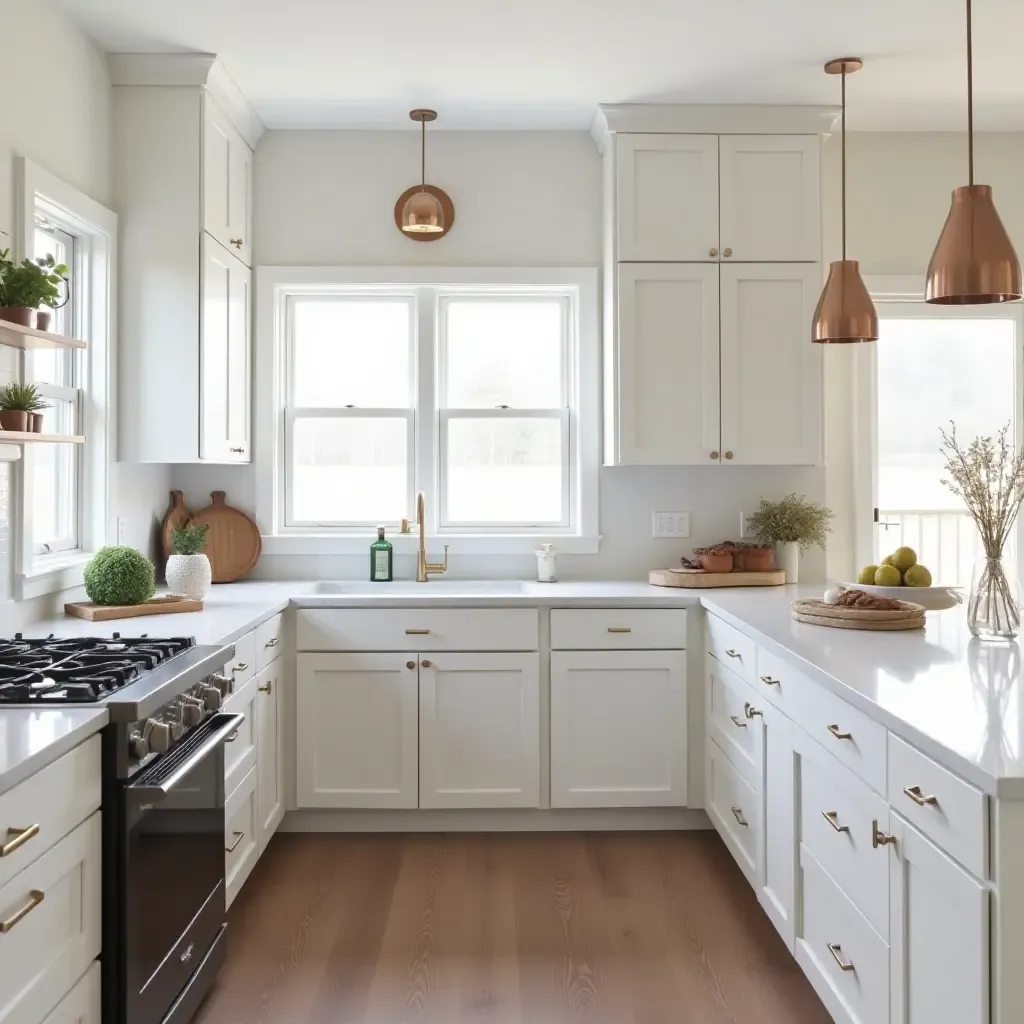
{"x": 712, "y": 251}
{"x": 728, "y": 252}
{"x": 410, "y": 664}
{"x": 713, "y": 455}
{"x": 266, "y": 688}
{"x": 425, "y": 664}
{"x": 236, "y": 242}
{"x": 880, "y": 838}
{"x": 728, "y": 455}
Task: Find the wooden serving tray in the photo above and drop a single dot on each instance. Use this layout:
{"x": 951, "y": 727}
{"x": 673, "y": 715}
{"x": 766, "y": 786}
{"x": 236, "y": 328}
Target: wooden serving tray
{"x": 817, "y": 613}
{"x": 698, "y": 579}
{"x": 166, "y": 604}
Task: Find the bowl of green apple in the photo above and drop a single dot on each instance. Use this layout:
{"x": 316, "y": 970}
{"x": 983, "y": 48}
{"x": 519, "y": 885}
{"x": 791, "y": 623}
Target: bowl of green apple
{"x": 901, "y": 576}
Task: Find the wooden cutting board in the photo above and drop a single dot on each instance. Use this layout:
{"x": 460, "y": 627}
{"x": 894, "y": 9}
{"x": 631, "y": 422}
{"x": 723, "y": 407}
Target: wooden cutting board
{"x": 177, "y": 516}
{"x": 167, "y": 604}
{"x": 233, "y": 543}
{"x": 697, "y": 579}
{"x": 817, "y": 613}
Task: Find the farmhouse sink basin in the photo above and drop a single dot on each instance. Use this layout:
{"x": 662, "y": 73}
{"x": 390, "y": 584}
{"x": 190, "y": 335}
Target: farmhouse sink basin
{"x": 477, "y": 588}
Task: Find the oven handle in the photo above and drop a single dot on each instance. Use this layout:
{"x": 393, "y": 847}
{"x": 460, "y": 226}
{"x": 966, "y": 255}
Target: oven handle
{"x": 214, "y": 740}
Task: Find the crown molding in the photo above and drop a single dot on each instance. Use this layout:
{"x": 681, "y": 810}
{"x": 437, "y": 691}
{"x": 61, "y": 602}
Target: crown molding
{"x": 189, "y": 70}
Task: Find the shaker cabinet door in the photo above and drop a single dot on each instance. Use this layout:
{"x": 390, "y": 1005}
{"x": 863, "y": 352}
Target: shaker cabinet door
{"x": 269, "y": 752}
{"x": 227, "y": 182}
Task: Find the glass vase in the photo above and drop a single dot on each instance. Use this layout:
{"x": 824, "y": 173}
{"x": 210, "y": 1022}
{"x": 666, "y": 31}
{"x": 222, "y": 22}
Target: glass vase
{"x": 993, "y": 609}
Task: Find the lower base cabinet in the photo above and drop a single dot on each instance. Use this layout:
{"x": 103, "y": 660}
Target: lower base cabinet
{"x": 618, "y": 729}
{"x": 82, "y": 1004}
{"x": 269, "y": 752}
{"x": 732, "y": 805}
{"x": 241, "y": 843}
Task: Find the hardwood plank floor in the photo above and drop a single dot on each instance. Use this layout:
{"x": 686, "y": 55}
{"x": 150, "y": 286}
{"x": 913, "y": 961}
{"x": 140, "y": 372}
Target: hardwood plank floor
{"x": 520, "y": 928}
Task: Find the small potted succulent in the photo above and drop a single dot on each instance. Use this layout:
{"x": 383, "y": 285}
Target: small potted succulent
{"x": 119, "y": 576}
{"x": 188, "y": 569}
{"x": 21, "y": 408}
{"x": 26, "y": 285}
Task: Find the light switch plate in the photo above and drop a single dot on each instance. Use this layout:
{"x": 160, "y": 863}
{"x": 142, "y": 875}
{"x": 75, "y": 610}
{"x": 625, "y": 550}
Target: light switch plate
{"x": 744, "y": 528}
{"x": 670, "y": 524}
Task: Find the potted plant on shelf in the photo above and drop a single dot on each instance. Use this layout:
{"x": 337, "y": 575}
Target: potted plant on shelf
{"x": 188, "y": 569}
{"x": 53, "y": 275}
{"x": 20, "y": 406}
{"x": 26, "y": 285}
{"x": 792, "y": 525}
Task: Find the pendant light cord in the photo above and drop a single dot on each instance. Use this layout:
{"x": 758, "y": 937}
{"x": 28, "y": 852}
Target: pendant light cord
{"x": 970, "y": 99}
{"x": 423, "y": 156}
{"x": 843, "y": 188}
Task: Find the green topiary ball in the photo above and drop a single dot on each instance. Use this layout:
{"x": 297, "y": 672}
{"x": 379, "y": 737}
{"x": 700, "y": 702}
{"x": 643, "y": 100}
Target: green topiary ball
{"x": 119, "y": 576}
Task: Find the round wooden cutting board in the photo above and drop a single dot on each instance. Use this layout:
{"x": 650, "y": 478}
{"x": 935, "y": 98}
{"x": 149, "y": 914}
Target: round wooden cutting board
{"x": 177, "y": 516}
{"x": 233, "y": 543}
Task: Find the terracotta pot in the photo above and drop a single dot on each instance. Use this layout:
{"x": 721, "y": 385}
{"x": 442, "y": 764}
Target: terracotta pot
{"x": 739, "y": 559}
{"x": 35, "y": 422}
{"x": 43, "y": 319}
{"x": 716, "y": 563}
{"x": 24, "y": 315}
{"x": 760, "y": 559}
{"x": 14, "y": 419}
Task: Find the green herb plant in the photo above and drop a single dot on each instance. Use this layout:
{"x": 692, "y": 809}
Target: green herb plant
{"x": 119, "y": 576}
{"x": 21, "y": 397}
{"x": 32, "y": 282}
{"x": 794, "y": 518}
{"x": 189, "y": 539}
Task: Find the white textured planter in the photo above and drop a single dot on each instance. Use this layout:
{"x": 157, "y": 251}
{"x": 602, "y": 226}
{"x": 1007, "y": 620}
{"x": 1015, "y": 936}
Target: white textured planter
{"x": 787, "y": 556}
{"x": 189, "y": 575}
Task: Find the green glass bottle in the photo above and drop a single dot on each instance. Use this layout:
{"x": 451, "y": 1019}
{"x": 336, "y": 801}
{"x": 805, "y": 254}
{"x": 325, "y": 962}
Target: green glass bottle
{"x": 381, "y": 556}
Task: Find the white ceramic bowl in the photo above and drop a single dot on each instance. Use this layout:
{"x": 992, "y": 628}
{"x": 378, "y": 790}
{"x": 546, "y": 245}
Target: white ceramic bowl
{"x": 935, "y": 599}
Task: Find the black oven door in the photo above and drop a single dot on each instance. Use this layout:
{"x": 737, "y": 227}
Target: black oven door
{"x": 174, "y": 869}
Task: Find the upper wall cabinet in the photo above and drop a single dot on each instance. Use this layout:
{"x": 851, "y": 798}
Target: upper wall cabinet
{"x": 227, "y": 183}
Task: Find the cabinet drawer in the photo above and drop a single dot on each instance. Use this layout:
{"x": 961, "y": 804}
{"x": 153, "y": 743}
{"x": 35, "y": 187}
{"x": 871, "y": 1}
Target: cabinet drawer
{"x": 731, "y": 647}
{"x": 779, "y": 681}
{"x": 595, "y": 629}
{"x": 732, "y": 805}
{"x": 941, "y": 805}
{"x": 417, "y": 629}
{"x": 842, "y": 841}
{"x": 52, "y": 910}
{"x": 240, "y": 752}
{"x": 242, "y": 666}
{"x": 82, "y": 1004}
{"x": 835, "y": 933}
{"x": 269, "y": 638}
{"x": 732, "y": 721}
{"x": 47, "y": 806}
{"x": 240, "y": 849}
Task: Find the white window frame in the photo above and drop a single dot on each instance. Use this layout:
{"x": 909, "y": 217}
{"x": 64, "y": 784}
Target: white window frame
{"x": 95, "y": 230}
{"x": 900, "y": 292}
{"x": 275, "y": 286}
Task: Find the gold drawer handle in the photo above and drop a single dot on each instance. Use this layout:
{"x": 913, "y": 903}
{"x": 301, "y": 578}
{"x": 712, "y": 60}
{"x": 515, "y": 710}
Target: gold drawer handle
{"x": 915, "y": 794}
{"x": 240, "y": 667}
{"x": 835, "y": 949}
{"x": 750, "y": 711}
{"x": 267, "y": 688}
{"x": 768, "y": 681}
{"x": 830, "y": 817}
{"x": 21, "y": 837}
{"x": 35, "y": 897}
{"x": 620, "y": 629}
{"x": 880, "y": 838}
{"x": 239, "y": 836}
{"x": 272, "y": 642}
{"x": 736, "y": 721}
{"x": 417, "y": 632}
{"x": 734, "y": 654}
{"x": 834, "y": 729}
{"x": 737, "y": 813}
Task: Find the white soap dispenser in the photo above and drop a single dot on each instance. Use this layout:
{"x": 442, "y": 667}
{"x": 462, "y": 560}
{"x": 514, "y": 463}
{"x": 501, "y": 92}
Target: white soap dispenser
{"x": 546, "y": 564}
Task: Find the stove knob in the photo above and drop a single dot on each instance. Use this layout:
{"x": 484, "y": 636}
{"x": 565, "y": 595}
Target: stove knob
{"x": 192, "y": 712}
{"x": 139, "y": 746}
{"x": 158, "y": 736}
{"x": 177, "y": 728}
{"x": 226, "y": 684}
{"x": 211, "y": 698}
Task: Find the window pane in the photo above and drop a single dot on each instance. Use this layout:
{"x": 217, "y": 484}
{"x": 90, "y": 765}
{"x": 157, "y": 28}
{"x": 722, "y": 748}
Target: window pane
{"x": 53, "y": 365}
{"x": 351, "y": 352}
{"x": 505, "y": 353}
{"x": 504, "y": 471}
{"x": 349, "y": 470}
{"x": 53, "y": 482}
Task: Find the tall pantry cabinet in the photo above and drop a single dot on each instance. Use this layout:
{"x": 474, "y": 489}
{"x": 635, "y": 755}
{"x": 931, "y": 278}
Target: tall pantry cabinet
{"x": 712, "y": 271}
{"x": 182, "y": 164}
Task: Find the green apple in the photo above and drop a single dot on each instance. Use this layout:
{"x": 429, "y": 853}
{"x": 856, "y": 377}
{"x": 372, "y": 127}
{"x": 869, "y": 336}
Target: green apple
{"x": 867, "y": 574}
{"x": 886, "y": 561}
{"x": 887, "y": 576}
{"x": 904, "y": 558}
{"x": 917, "y": 576}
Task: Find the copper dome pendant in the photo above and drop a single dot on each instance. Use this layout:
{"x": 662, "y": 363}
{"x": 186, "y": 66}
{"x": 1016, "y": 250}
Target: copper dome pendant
{"x": 424, "y": 212}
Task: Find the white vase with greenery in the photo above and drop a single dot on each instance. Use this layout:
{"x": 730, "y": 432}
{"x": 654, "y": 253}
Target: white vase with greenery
{"x": 188, "y": 570}
{"x": 791, "y": 525}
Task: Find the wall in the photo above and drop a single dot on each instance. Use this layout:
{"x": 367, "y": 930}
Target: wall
{"x": 65, "y": 129}
{"x": 521, "y": 198}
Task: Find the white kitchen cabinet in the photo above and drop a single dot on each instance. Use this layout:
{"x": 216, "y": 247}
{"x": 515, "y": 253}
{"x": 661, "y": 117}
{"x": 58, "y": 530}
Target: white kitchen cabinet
{"x": 479, "y": 730}
{"x": 665, "y": 404}
{"x": 357, "y": 724}
{"x": 769, "y": 207}
{"x": 227, "y": 182}
{"x": 226, "y": 356}
{"x": 771, "y": 373}
{"x": 269, "y": 753}
{"x": 241, "y": 842}
{"x": 939, "y": 934}
{"x": 666, "y": 197}
{"x": 82, "y": 1004}
{"x": 618, "y": 728}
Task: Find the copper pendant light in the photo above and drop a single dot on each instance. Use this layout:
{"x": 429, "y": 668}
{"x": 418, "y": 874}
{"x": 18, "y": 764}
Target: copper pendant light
{"x": 420, "y": 211}
{"x": 845, "y": 313}
{"x": 974, "y": 261}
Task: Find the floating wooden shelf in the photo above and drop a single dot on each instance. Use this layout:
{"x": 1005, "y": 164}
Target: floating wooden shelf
{"x": 21, "y": 436}
{"x": 28, "y": 337}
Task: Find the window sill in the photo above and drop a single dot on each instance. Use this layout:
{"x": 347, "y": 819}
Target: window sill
{"x": 407, "y": 544}
{"x": 51, "y": 575}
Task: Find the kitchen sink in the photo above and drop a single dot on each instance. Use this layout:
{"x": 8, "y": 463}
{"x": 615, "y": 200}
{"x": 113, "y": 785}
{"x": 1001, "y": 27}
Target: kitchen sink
{"x": 478, "y": 588}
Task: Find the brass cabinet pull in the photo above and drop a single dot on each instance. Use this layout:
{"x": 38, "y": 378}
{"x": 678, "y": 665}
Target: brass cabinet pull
{"x": 830, "y": 817}
{"x": 727, "y": 252}
{"x": 768, "y": 681}
{"x": 21, "y": 837}
{"x": 620, "y": 629}
{"x": 835, "y": 949}
{"x": 915, "y": 794}
{"x": 239, "y": 836}
{"x": 712, "y": 251}
{"x": 240, "y": 667}
{"x": 273, "y": 642}
{"x": 737, "y": 813}
{"x": 734, "y": 654}
{"x": 880, "y": 838}
{"x": 231, "y": 737}
{"x": 834, "y": 729}
{"x": 736, "y": 721}
{"x": 728, "y": 455}
{"x": 268, "y": 688}
{"x": 713, "y": 455}
{"x": 749, "y": 710}
{"x": 425, "y": 663}
{"x": 35, "y": 897}
{"x": 410, "y": 664}
{"x": 237, "y": 451}
{"x": 236, "y": 242}
{"x": 417, "y": 632}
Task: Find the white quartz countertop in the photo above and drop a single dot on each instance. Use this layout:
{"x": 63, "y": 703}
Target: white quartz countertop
{"x": 30, "y": 739}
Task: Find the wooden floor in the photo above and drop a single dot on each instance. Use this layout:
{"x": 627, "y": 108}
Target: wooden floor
{"x": 547, "y": 928}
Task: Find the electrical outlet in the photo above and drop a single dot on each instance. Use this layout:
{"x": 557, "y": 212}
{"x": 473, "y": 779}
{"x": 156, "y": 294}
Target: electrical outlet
{"x": 122, "y": 530}
{"x": 744, "y": 528}
{"x": 670, "y": 524}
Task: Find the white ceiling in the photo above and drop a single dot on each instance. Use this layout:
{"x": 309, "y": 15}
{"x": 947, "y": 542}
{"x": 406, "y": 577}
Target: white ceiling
{"x": 548, "y": 63}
